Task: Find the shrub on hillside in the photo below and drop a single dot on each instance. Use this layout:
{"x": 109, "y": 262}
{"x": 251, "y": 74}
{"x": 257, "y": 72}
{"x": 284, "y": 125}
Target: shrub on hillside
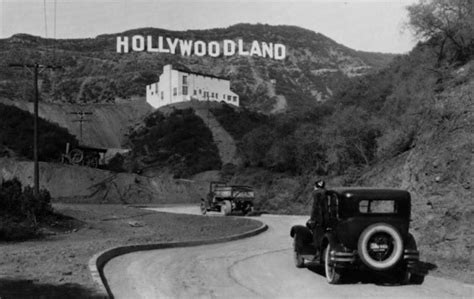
{"x": 116, "y": 164}
{"x": 180, "y": 141}
{"x": 21, "y": 211}
{"x": 238, "y": 123}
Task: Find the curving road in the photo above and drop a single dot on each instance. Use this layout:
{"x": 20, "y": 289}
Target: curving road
{"x": 257, "y": 267}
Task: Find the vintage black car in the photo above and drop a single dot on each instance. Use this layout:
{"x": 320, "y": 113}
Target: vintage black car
{"x": 361, "y": 229}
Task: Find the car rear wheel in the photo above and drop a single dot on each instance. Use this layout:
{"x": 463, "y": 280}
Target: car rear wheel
{"x": 416, "y": 279}
{"x": 333, "y": 275}
{"x": 380, "y": 246}
{"x": 248, "y": 208}
{"x": 203, "y": 208}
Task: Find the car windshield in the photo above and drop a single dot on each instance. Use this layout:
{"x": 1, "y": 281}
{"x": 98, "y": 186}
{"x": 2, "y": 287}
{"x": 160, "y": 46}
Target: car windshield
{"x": 377, "y": 207}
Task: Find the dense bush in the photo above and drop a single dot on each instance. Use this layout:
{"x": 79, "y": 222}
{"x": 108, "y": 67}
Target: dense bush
{"x": 238, "y": 123}
{"x": 180, "y": 141}
{"x": 21, "y": 211}
{"x": 17, "y": 130}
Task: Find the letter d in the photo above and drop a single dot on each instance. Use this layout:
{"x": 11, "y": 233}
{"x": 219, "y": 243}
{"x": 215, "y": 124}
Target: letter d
{"x": 229, "y": 47}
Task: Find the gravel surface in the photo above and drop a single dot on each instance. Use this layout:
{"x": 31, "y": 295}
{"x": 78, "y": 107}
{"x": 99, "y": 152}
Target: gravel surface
{"x": 56, "y": 266}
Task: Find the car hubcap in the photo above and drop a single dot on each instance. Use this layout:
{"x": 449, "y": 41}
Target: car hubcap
{"x": 380, "y": 246}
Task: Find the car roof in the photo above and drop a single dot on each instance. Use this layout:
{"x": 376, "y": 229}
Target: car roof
{"x": 358, "y": 193}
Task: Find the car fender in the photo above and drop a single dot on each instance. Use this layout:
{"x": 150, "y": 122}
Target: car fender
{"x": 303, "y": 233}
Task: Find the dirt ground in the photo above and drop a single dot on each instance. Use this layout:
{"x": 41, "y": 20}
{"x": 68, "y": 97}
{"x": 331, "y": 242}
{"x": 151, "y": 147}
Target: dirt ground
{"x": 56, "y": 266}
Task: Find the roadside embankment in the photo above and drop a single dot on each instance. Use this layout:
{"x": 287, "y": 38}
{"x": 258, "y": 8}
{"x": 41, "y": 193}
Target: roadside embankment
{"x": 77, "y": 184}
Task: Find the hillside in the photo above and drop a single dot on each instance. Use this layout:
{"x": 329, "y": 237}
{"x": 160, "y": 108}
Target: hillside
{"x": 94, "y": 73}
{"x": 106, "y": 127}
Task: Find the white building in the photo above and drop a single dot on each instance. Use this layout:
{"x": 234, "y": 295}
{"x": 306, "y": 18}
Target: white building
{"x": 181, "y": 86}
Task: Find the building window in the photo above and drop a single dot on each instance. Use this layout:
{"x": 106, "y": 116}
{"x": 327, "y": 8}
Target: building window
{"x": 175, "y": 91}
{"x": 217, "y": 95}
{"x": 185, "y": 80}
{"x": 229, "y": 98}
{"x": 185, "y": 90}
{"x": 223, "y": 96}
{"x": 212, "y": 94}
{"x": 195, "y": 92}
{"x": 235, "y": 99}
{"x": 152, "y": 93}
{"x": 156, "y": 87}
{"x": 162, "y": 95}
{"x": 200, "y": 91}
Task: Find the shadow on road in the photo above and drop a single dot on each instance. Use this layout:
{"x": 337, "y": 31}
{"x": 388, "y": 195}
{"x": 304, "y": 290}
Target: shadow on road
{"x": 22, "y": 288}
{"x": 365, "y": 277}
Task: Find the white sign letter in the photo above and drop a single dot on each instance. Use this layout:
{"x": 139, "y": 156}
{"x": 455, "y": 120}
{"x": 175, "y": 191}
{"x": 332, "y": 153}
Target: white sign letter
{"x": 122, "y": 43}
{"x": 280, "y": 52}
{"x": 199, "y": 48}
{"x": 149, "y": 44}
{"x": 138, "y": 43}
{"x": 214, "y": 49}
{"x": 172, "y": 44}
{"x": 229, "y": 47}
{"x": 241, "y": 48}
{"x": 267, "y": 50}
{"x": 160, "y": 45}
{"x": 185, "y": 46}
{"x": 255, "y": 50}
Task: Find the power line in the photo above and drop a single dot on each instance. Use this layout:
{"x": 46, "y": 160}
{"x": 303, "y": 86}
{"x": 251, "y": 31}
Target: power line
{"x": 34, "y": 69}
{"x": 81, "y": 120}
{"x": 45, "y": 20}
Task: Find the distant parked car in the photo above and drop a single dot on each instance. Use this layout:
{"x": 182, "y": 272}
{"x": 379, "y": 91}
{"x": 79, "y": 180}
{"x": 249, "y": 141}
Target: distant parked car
{"x": 228, "y": 198}
{"x": 361, "y": 229}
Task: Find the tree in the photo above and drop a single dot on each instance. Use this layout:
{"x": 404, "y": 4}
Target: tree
{"x": 449, "y": 23}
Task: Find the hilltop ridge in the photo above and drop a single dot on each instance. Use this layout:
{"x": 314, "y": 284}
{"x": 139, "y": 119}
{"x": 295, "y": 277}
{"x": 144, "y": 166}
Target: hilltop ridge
{"x": 95, "y": 73}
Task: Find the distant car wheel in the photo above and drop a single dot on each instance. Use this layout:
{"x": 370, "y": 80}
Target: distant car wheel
{"x": 380, "y": 246}
{"x": 248, "y": 208}
{"x": 76, "y": 156}
{"x": 226, "y": 207}
{"x": 203, "y": 208}
{"x": 333, "y": 275}
{"x": 298, "y": 259}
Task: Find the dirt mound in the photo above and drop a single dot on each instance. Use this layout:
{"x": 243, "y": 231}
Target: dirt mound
{"x": 89, "y": 185}
{"x": 106, "y": 127}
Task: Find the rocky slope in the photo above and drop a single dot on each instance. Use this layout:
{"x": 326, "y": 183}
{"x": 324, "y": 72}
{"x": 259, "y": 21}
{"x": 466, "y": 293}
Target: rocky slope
{"x": 439, "y": 172}
{"x": 94, "y": 72}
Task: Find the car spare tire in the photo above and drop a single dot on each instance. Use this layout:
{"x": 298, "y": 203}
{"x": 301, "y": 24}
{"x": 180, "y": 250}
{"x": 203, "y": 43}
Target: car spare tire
{"x": 380, "y": 246}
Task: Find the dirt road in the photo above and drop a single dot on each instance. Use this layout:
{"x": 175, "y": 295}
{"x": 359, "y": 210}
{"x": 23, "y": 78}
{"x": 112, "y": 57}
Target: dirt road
{"x": 258, "y": 267}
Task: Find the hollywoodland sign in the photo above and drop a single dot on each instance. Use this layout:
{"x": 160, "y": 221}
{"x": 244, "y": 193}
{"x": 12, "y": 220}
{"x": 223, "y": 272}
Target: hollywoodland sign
{"x": 227, "y": 47}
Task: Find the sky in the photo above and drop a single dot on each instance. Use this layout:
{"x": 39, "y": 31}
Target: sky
{"x": 367, "y": 25}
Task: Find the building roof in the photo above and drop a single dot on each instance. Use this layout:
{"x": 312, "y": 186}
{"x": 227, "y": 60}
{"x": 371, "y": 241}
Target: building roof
{"x": 201, "y": 74}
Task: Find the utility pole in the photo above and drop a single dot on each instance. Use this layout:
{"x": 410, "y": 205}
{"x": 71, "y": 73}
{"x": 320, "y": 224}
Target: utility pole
{"x": 34, "y": 69}
{"x": 81, "y": 119}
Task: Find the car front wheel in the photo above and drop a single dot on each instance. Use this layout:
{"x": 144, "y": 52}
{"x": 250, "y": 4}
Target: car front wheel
{"x": 298, "y": 259}
{"x": 333, "y": 275}
{"x": 226, "y": 207}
